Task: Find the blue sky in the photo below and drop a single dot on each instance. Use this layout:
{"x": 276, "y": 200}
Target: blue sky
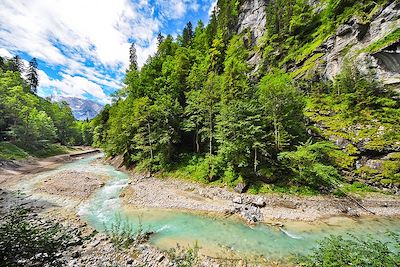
{"x": 82, "y": 45}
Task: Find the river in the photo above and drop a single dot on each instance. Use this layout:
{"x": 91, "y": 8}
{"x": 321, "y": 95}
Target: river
{"x": 213, "y": 234}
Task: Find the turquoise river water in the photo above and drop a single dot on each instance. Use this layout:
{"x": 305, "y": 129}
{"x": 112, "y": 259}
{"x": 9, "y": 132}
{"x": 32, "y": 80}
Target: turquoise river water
{"x": 214, "y": 235}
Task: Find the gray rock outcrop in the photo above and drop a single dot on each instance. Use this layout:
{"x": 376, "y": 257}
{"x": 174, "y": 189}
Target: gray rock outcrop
{"x": 355, "y": 36}
{"x": 252, "y": 16}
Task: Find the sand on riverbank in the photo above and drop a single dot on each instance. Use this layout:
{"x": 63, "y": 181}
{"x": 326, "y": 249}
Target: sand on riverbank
{"x": 72, "y": 184}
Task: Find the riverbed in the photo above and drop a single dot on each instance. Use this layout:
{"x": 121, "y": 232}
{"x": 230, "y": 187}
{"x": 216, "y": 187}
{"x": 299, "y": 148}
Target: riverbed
{"x": 103, "y": 207}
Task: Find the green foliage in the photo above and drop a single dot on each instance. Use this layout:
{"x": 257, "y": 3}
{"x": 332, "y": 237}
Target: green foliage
{"x": 294, "y": 29}
{"x": 22, "y": 239}
{"x": 48, "y": 150}
{"x": 123, "y": 234}
{"x": 362, "y": 115}
{"x": 307, "y": 165}
{"x": 185, "y": 256}
{"x": 337, "y": 251}
{"x": 195, "y": 110}
{"x": 356, "y": 188}
{"x": 11, "y": 151}
{"x": 259, "y": 187}
{"x": 282, "y": 106}
{"x": 32, "y": 122}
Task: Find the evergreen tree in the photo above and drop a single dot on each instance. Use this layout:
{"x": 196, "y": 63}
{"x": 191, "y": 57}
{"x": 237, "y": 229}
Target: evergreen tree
{"x": 2, "y": 64}
{"x": 187, "y": 34}
{"x": 32, "y": 75}
{"x": 133, "y": 57}
{"x": 16, "y": 64}
{"x": 160, "y": 38}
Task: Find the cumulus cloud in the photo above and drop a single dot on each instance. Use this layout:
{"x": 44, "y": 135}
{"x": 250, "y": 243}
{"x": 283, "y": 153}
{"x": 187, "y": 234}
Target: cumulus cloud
{"x": 4, "y": 53}
{"x": 71, "y": 33}
{"x": 74, "y": 86}
{"x": 88, "y": 41}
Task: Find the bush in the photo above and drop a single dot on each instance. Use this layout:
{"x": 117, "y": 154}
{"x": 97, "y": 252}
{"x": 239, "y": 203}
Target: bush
{"x": 22, "y": 241}
{"x": 185, "y": 256}
{"x": 123, "y": 234}
{"x": 337, "y": 251}
{"x": 307, "y": 165}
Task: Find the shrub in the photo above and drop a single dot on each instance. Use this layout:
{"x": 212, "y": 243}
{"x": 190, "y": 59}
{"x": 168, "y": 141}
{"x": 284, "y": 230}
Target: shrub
{"x": 23, "y": 241}
{"x": 337, "y": 251}
{"x": 185, "y": 256}
{"x": 123, "y": 234}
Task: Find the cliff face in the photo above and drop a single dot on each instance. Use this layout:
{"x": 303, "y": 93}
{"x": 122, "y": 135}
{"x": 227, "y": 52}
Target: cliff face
{"x": 350, "y": 41}
{"x": 373, "y": 45}
{"x": 353, "y": 39}
{"x": 252, "y": 16}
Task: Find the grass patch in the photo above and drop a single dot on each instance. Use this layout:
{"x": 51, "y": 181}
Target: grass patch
{"x": 10, "y": 151}
{"x": 308, "y": 65}
{"x": 263, "y": 188}
{"x": 48, "y": 150}
{"x": 354, "y": 188}
{"x": 386, "y": 41}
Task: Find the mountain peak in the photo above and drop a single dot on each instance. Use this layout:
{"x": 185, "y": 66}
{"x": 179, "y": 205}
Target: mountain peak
{"x": 81, "y": 108}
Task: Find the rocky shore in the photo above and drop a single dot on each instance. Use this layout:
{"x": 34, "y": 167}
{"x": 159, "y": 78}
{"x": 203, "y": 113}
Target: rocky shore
{"x": 177, "y": 194}
{"x": 54, "y": 198}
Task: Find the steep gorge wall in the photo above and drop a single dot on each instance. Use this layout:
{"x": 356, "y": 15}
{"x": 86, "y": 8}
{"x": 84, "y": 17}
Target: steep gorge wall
{"x": 349, "y": 41}
{"x": 253, "y": 17}
{"x": 354, "y": 37}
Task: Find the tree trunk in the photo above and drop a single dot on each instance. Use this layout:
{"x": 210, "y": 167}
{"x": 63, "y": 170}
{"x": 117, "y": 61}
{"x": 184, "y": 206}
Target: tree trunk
{"x": 255, "y": 160}
{"x": 276, "y": 133}
{"x": 150, "y": 143}
{"x": 211, "y": 135}
{"x": 197, "y": 141}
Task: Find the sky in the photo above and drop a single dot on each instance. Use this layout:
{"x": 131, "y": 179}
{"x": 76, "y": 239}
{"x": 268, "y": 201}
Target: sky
{"x": 82, "y": 46}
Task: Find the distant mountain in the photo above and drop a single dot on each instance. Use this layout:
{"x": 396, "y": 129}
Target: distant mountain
{"x": 81, "y": 108}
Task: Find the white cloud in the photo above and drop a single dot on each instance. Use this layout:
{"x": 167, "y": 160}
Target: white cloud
{"x": 74, "y": 86}
{"x": 88, "y": 40}
{"x": 71, "y": 33}
{"x": 4, "y": 53}
{"x": 172, "y": 9}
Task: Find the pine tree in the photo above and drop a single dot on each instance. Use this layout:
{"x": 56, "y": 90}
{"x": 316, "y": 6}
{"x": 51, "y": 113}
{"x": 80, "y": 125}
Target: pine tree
{"x": 32, "y": 75}
{"x": 16, "y": 64}
{"x": 160, "y": 38}
{"x": 133, "y": 57}
{"x": 187, "y": 34}
{"x": 2, "y": 64}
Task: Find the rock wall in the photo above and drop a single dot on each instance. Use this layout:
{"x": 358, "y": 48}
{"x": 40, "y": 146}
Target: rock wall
{"x": 349, "y": 40}
{"x": 354, "y": 36}
{"x": 252, "y": 16}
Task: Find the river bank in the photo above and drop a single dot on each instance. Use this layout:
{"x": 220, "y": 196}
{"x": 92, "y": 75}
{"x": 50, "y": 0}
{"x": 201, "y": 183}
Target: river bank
{"x": 18, "y": 168}
{"x": 63, "y": 190}
{"x": 53, "y": 196}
